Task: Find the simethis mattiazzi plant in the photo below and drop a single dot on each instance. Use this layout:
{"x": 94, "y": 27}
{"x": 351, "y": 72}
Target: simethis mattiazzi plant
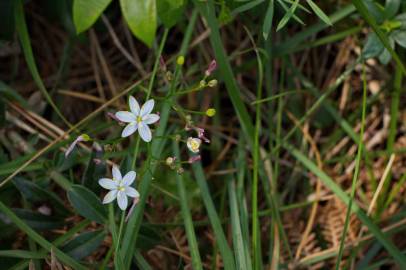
{"x": 221, "y": 134}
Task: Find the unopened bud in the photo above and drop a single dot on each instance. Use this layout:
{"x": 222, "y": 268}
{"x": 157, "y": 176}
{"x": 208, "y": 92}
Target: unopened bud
{"x": 211, "y": 112}
{"x": 211, "y": 68}
{"x": 169, "y": 161}
{"x": 212, "y": 83}
{"x": 202, "y": 83}
{"x": 180, "y": 60}
{"x": 169, "y": 75}
{"x": 180, "y": 170}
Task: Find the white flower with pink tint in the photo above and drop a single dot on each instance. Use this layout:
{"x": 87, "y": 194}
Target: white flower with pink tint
{"x": 138, "y": 119}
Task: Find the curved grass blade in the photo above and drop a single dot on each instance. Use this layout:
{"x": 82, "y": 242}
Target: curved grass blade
{"x": 29, "y": 56}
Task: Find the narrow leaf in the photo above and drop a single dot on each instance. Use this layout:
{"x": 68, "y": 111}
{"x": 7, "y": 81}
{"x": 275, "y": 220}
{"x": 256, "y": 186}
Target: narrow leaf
{"x": 319, "y": 12}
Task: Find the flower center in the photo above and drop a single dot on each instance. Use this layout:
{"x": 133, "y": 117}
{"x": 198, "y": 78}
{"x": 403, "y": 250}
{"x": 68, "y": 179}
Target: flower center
{"x": 194, "y": 145}
{"x": 120, "y": 188}
{"x": 139, "y": 119}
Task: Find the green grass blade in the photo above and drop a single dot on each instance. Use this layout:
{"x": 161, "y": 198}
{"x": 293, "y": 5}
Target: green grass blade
{"x": 238, "y": 239}
{"x": 319, "y": 12}
{"x": 29, "y": 56}
{"x": 39, "y": 239}
{"x": 286, "y": 18}
{"x": 221, "y": 240}
{"x": 187, "y": 217}
{"x": 356, "y": 172}
{"x": 21, "y": 254}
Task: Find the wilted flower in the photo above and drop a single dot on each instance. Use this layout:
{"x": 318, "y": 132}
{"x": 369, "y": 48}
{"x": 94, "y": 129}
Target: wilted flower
{"x": 193, "y": 144}
{"x": 138, "y": 119}
{"x": 211, "y": 68}
{"x": 194, "y": 159}
{"x": 120, "y": 187}
{"x": 81, "y": 138}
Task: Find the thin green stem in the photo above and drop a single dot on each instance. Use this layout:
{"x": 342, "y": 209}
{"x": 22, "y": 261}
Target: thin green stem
{"x": 356, "y": 172}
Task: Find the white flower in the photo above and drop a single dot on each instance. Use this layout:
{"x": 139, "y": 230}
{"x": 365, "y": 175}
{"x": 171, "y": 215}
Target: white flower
{"x": 119, "y": 187}
{"x": 138, "y": 119}
{"x": 193, "y": 144}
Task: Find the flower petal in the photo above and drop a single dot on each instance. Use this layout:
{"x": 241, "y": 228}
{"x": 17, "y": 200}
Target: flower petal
{"x": 144, "y": 132}
{"x": 110, "y": 196}
{"x": 129, "y": 129}
{"x": 129, "y": 178}
{"x": 150, "y": 118}
{"x": 122, "y": 200}
{"x": 126, "y": 117}
{"x": 147, "y": 107}
{"x": 134, "y": 106}
{"x": 108, "y": 183}
{"x": 115, "y": 171}
{"x": 131, "y": 192}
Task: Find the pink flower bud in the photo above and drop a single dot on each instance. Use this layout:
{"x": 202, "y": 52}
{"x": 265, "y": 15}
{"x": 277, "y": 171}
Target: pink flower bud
{"x": 211, "y": 68}
{"x": 81, "y": 138}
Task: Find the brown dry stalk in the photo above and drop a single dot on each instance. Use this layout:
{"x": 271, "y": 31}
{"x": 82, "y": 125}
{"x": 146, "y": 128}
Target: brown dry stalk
{"x": 313, "y": 212}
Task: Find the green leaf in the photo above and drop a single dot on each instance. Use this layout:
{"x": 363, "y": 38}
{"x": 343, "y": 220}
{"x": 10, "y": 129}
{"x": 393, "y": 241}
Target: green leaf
{"x": 391, "y": 8}
{"x": 34, "y": 193}
{"x": 84, "y": 244}
{"x": 400, "y": 37}
{"x": 373, "y": 47}
{"x": 140, "y": 16}
{"x": 362, "y": 9}
{"x": 266, "y": 27}
{"x": 86, "y": 12}
{"x": 285, "y": 19}
{"x": 385, "y": 56}
{"x": 402, "y": 19}
{"x": 87, "y": 204}
{"x": 37, "y": 220}
{"x": 319, "y": 12}
{"x": 170, "y": 11}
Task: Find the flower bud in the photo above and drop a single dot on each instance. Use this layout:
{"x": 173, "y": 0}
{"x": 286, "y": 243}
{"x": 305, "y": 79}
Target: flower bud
{"x": 202, "y": 83}
{"x": 169, "y": 75}
{"x": 180, "y": 60}
{"x": 193, "y": 144}
{"x": 169, "y": 161}
{"x": 211, "y": 112}
{"x": 211, "y": 68}
{"x": 212, "y": 83}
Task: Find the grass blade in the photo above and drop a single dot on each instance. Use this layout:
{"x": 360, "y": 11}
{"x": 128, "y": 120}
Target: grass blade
{"x": 187, "y": 217}
{"x": 356, "y": 172}
{"x": 29, "y": 56}
{"x": 228, "y": 258}
{"x": 39, "y": 239}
